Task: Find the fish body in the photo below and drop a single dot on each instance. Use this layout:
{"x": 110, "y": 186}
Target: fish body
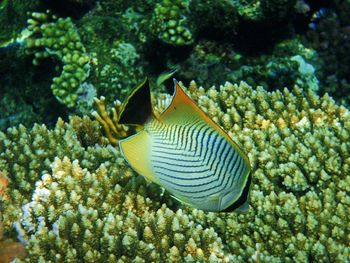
{"x": 191, "y": 157}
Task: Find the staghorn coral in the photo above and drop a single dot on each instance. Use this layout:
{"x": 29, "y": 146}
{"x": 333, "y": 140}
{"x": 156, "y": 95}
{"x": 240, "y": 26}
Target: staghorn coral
{"x": 106, "y": 220}
{"x": 59, "y": 38}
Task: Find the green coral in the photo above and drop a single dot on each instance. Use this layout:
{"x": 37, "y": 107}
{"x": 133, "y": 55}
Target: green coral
{"x": 122, "y": 71}
{"x": 60, "y": 39}
{"x": 170, "y": 22}
{"x": 106, "y": 220}
{"x": 87, "y": 205}
{"x": 299, "y": 147}
{"x": 25, "y": 154}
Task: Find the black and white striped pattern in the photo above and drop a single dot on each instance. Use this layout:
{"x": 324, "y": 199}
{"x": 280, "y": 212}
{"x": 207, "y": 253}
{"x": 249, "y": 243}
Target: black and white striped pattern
{"x": 196, "y": 164}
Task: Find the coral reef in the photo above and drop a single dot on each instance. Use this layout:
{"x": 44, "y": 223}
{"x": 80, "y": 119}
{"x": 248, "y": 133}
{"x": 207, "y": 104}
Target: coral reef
{"x": 290, "y": 63}
{"x": 69, "y": 196}
{"x": 59, "y": 38}
{"x": 116, "y": 59}
{"x": 262, "y": 10}
{"x": 121, "y": 72}
{"x": 78, "y": 195}
{"x": 105, "y": 48}
{"x": 19, "y": 83}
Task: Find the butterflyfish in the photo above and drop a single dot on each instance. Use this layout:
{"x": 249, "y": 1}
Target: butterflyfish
{"x": 185, "y": 152}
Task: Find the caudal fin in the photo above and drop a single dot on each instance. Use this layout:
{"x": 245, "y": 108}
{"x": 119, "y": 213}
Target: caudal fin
{"x": 137, "y": 108}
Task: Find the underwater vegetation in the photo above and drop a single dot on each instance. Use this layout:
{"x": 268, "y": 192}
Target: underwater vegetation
{"x": 274, "y": 75}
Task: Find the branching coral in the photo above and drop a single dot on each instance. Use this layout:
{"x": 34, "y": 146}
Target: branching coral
{"x": 113, "y": 130}
{"x": 59, "y": 38}
{"x": 298, "y": 144}
{"x": 80, "y": 216}
{"x": 299, "y": 148}
{"x": 89, "y": 206}
{"x": 25, "y": 154}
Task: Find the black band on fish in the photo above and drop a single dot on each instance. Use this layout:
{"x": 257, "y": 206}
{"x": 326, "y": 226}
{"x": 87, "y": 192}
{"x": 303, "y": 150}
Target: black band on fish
{"x": 242, "y": 199}
{"x": 137, "y": 108}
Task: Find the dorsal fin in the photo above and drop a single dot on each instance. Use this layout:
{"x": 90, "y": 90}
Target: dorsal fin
{"x": 182, "y": 109}
{"x": 137, "y": 108}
